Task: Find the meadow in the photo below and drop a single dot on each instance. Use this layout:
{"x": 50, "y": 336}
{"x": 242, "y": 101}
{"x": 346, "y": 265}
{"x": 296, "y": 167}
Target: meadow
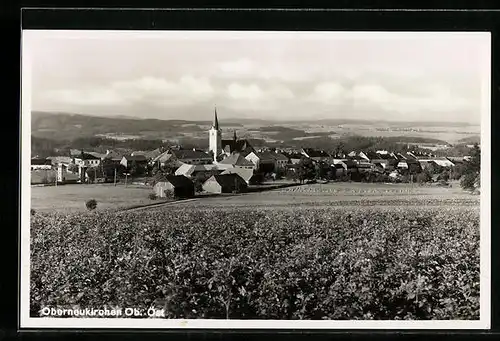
{"x": 71, "y": 198}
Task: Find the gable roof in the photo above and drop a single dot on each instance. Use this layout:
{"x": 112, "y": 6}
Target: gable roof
{"x": 112, "y": 155}
{"x": 188, "y": 170}
{"x": 236, "y": 146}
{"x": 228, "y": 180}
{"x": 40, "y": 162}
{"x": 98, "y": 155}
{"x": 315, "y": 153}
{"x": 280, "y": 157}
{"x": 86, "y": 156}
{"x": 138, "y": 157}
{"x": 190, "y": 154}
{"x": 154, "y": 153}
{"x": 236, "y": 159}
{"x": 245, "y": 174}
{"x": 59, "y": 159}
{"x": 176, "y": 180}
{"x": 163, "y": 157}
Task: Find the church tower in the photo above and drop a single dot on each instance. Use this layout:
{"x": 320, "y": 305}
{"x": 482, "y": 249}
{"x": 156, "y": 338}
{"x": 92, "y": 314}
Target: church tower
{"x": 214, "y": 141}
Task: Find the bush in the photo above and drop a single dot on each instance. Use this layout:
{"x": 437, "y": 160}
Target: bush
{"x": 323, "y": 263}
{"x": 169, "y": 194}
{"x": 468, "y": 181}
{"x": 152, "y": 196}
{"x": 91, "y": 204}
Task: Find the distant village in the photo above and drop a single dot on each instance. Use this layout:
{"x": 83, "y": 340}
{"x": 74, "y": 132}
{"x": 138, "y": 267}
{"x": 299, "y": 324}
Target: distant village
{"x": 233, "y": 165}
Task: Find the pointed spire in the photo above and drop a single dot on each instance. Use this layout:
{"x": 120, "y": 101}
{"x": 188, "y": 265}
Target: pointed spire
{"x": 216, "y": 121}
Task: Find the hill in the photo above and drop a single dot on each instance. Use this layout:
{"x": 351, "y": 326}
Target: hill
{"x": 62, "y": 126}
{"x": 471, "y": 139}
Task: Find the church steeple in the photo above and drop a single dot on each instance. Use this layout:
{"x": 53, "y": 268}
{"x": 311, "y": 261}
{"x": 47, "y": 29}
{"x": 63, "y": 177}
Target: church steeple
{"x": 216, "y": 121}
{"x": 215, "y": 142}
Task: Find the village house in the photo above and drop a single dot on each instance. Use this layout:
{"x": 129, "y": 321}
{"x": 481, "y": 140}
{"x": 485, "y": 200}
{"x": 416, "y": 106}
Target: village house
{"x": 245, "y": 174}
{"x": 86, "y": 160}
{"x": 40, "y": 163}
{"x": 235, "y": 160}
{"x": 281, "y": 160}
{"x": 128, "y": 160}
{"x": 263, "y": 162}
{"x": 179, "y": 185}
{"x": 183, "y": 156}
{"x": 191, "y": 171}
{"x": 227, "y": 183}
{"x": 316, "y": 155}
{"x": 112, "y": 157}
{"x": 59, "y": 160}
{"x": 441, "y": 161}
{"x": 293, "y": 157}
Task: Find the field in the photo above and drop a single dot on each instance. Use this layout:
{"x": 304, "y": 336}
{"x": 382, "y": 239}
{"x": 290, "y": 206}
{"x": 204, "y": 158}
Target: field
{"x": 72, "y": 198}
{"x": 334, "y": 251}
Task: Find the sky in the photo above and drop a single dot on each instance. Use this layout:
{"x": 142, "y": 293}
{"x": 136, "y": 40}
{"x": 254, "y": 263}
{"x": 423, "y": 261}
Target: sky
{"x": 273, "y": 75}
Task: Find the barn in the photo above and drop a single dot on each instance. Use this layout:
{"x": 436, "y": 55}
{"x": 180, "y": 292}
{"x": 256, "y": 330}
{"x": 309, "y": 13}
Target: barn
{"x": 227, "y": 183}
{"x": 180, "y": 185}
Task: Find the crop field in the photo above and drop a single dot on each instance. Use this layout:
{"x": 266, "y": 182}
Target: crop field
{"x": 322, "y": 251}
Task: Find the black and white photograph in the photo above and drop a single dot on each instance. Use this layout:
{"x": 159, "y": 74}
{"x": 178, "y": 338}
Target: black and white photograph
{"x": 255, "y": 179}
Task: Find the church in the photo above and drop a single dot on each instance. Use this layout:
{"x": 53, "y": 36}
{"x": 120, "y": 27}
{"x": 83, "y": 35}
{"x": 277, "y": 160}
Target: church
{"x": 223, "y": 148}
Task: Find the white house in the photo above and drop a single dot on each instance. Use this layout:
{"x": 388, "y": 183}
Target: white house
{"x": 262, "y": 161}
{"x": 86, "y": 160}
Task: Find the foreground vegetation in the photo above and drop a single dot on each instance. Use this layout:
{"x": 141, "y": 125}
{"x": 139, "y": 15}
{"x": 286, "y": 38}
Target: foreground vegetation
{"x": 323, "y": 263}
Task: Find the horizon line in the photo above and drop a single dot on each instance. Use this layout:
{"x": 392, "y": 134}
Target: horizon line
{"x": 122, "y": 116}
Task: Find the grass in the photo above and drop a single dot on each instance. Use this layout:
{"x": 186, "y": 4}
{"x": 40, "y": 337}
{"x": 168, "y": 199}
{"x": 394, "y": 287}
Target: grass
{"x": 73, "y": 197}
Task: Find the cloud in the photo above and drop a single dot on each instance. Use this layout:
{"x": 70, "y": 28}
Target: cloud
{"x": 151, "y": 89}
{"x": 378, "y": 97}
{"x": 327, "y": 92}
{"x": 275, "y": 69}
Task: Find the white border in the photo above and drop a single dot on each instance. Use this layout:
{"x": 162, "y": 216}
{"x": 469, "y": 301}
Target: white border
{"x": 485, "y": 265}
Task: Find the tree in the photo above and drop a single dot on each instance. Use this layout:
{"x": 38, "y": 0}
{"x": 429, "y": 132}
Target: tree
{"x": 134, "y": 169}
{"x": 423, "y": 177}
{"x": 444, "y": 175}
{"x": 305, "y": 170}
{"x": 471, "y": 180}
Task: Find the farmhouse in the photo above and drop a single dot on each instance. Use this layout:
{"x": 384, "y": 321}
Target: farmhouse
{"x": 441, "y": 161}
{"x": 245, "y": 174}
{"x": 264, "y": 161}
{"x": 140, "y": 160}
{"x": 181, "y": 186}
{"x": 112, "y": 157}
{"x": 192, "y": 170}
{"x": 86, "y": 160}
{"x": 227, "y": 183}
{"x": 293, "y": 158}
{"x": 235, "y": 160}
{"x": 59, "y": 160}
{"x": 316, "y": 155}
{"x": 40, "y": 163}
{"x": 183, "y": 156}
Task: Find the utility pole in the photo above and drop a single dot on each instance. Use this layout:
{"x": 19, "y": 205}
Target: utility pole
{"x": 114, "y": 181}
